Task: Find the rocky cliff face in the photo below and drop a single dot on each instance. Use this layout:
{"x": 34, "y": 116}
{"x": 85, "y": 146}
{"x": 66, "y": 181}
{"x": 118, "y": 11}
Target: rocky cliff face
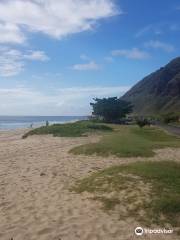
{"x": 159, "y": 92}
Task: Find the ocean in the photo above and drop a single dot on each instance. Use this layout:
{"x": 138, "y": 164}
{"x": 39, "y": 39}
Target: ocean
{"x": 16, "y": 122}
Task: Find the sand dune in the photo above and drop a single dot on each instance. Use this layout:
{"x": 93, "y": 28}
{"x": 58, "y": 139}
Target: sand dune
{"x": 35, "y": 201}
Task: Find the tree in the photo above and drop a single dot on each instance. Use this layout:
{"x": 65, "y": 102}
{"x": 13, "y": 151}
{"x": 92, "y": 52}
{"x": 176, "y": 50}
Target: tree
{"x": 111, "y": 109}
{"x": 142, "y": 122}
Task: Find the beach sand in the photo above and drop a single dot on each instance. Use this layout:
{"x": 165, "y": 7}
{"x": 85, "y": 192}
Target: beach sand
{"x": 35, "y": 202}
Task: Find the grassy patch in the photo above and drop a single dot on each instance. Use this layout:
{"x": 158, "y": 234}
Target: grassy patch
{"x": 130, "y": 141}
{"x": 76, "y": 129}
{"x": 149, "y": 191}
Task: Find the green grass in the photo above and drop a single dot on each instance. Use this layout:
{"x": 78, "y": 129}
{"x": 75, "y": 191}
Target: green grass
{"x": 161, "y": 205}
{"x": 130, "y": 141}
{"x": 76, "y": 129}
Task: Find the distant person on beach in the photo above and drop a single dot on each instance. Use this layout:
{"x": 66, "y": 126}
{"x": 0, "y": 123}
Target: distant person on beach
{"x": 31, "y": 126}
{"x": 47, "y": 123}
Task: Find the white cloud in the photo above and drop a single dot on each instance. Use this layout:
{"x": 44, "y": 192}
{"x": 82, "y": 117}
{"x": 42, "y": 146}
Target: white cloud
{"x": 158, "y": 29}
{"x": 160, "y": 45}
{"x": 36, "y": 55}
{"x": 150, "y": 29}
{"x": 10, "y": 33}
{"x": 108, "y": 59}
{"x": 178, "y": 8}
{"x": 84, "y": 57}
{"x": 133, "y": 53}
{"x": 91, "y": 66}
{"x": 174, "y": 27}
{"x": 56, "y": 18}
{"x": 48, "y": 75}
{"x": 64, "y": 101}
{"x": 12, "y": 61}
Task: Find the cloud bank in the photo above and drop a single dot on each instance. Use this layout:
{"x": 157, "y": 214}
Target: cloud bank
{"x": 64, "y": 101}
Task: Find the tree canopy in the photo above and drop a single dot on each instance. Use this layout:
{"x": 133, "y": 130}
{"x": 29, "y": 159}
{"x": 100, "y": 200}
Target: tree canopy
{"x": 111, "y": 109}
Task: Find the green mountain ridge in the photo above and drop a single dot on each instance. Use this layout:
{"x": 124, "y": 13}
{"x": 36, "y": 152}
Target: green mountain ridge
{"x": 157, "y": 93}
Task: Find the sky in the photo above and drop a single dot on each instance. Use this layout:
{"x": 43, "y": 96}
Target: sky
{"x": 56, "y": 56}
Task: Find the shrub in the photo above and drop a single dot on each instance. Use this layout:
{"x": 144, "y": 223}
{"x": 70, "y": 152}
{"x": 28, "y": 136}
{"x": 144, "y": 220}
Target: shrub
{"x": 142, "y": 122}
{"x": 170, "y": 117}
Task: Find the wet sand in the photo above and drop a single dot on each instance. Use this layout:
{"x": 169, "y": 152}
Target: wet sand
{"x": 35, "y": 202}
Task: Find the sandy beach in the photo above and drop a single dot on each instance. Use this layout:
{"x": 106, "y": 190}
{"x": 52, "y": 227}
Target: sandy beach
{"x": 35, "y": 201}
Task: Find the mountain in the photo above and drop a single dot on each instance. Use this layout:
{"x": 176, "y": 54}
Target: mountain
{"x": 157, "y": 93}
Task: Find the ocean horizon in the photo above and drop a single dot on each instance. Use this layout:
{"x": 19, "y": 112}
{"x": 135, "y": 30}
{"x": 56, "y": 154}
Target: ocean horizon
{"x": 18, "y": 122}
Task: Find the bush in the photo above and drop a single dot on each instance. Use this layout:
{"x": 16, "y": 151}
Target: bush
{"x": 170, "y": 117}
{"x": 142, "y": 122}
{"x": 76, "y": 129}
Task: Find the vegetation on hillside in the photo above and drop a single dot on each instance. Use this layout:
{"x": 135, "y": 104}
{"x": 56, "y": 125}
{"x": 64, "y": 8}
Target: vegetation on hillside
{"x": 130, "y": 141}
{"x": 77, "y": 129}
{"x": 170, "y": 117}
{"x": 147, "y": 191}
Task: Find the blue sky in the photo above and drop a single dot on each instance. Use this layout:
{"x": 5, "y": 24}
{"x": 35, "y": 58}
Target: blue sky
{"x": 55, "y": 56}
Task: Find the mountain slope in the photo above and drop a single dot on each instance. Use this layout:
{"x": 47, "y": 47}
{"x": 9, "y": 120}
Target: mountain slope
{"x": 159, "y": 92}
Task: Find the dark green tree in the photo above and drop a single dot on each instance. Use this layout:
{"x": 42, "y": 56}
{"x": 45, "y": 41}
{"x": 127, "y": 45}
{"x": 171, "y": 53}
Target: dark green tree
{"x": 111, "y": 109}
{"x": 142, "y": 122}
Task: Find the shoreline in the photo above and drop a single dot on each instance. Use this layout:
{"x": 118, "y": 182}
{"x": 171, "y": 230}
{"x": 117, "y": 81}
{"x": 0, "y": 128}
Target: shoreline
{"x": 36, "y": 126}
{"x": 21, "y": 122}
